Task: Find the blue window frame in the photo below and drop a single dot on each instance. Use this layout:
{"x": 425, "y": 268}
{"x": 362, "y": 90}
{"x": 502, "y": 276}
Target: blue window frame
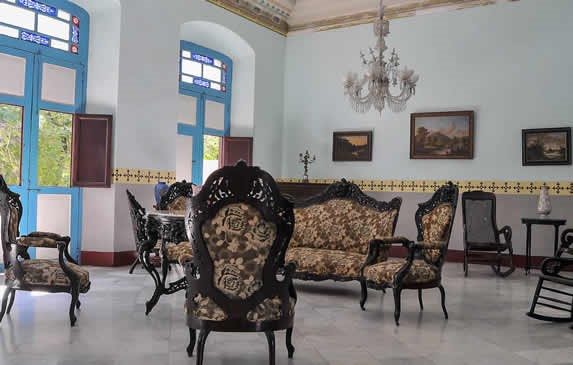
{"x": 52, "y": 33}
{"x": 207, "y": 76}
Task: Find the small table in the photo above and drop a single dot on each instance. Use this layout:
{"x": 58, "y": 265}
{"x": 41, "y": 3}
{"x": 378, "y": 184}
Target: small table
{"x": 541, "y": 221}
{"x": 170, "y": 227}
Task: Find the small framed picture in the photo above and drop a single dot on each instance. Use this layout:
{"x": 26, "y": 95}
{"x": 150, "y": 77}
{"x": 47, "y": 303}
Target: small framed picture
{"x": 546, "y": 146}
{"x": 352, "y": 146}
{"x": 442, "y": 135}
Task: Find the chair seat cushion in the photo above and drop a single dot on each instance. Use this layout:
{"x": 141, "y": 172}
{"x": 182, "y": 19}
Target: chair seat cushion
{"x": 48, "y": 273}
{"x": 179, "y": 252}
{"x": 268, "y": 310}
{"x": 317, "y": 261}
{"x": 383, "y": 273}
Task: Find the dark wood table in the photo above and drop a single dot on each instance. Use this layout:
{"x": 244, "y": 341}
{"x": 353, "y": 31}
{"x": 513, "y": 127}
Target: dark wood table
{"x": 540, "y": 221}
{"x": 169, "y": 227}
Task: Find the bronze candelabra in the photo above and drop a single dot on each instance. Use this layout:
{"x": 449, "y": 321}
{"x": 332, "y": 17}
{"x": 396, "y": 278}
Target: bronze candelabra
{"x": 306, "y": 160}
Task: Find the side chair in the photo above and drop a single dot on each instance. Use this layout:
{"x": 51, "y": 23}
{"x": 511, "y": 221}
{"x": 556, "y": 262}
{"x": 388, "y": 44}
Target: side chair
{"x": 237, "y": 282}
{"x": 23, "y": 273}
{"x": 422, "y": 269}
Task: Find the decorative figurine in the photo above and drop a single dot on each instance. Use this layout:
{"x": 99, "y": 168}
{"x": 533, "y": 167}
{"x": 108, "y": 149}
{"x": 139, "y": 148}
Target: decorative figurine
{"x": 544, "y": 205}
{"x": 306, "y": 160}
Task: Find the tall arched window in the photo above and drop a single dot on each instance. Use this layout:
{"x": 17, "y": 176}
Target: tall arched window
{"x": 43, "y": 60}
{"x": 205, "y": 86}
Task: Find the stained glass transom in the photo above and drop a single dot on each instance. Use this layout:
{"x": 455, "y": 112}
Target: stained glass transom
{"x": 39, "y": 23}
{"x": 203, "y": 71}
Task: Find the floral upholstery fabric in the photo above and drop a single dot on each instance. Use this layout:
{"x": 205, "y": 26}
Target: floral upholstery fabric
{"x": 40, "y": 272}
{"x": 269, "y": 310}
{"x": 238, "y": 240}
{"x": 436, "y": 225}
{"x": 179, "y": 252}
{"x": 178, "y": 204}
{"x": 13, "y": 228}
{"x": 51, "y": 235}
{"x": 383, "y": 273}
{"x": 37, "y": 242}
{"x": 326, "y": 262}
{"x": 340, "y": 224}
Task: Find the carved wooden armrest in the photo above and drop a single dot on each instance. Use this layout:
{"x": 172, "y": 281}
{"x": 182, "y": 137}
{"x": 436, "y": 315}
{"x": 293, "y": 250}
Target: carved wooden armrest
{"x": 376, "y": 245}
{"x": 427, "y": 245}
{"x": 63, "y": 253}
{"x": 554, "y": 265}
{"x": 51, "y": 235}
{"x": 567, "y": 238}
{"x": 38, "y": 241}
{"x": 507, "y": 233}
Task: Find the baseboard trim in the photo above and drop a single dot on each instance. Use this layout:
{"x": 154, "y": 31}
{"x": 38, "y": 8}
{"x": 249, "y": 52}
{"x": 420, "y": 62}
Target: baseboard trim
{"x": 107, "y": 259}
{"x": 458, "y": 256}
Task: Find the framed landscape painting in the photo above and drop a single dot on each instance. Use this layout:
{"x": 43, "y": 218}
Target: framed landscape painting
{"x": 546, "y": 146}
{"x": 442, "y": 135}
{"x": 352, "y": 146}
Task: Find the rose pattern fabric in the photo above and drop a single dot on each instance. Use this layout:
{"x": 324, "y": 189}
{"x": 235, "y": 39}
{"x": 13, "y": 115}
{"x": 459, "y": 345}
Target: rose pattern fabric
{"x": 178, "y": 204}
{"x": 179, "y": 252}
{"x": 326, "y": 262}
{"x": 384, "y": 272}
{"x": 37, "y": 242}
{"x": 41, "y": 272}
{"x": 436, "y": 225}
{"x": 238, "y": 240}
{"x": 341, "y": 224}
{"x": 206, "y": 309}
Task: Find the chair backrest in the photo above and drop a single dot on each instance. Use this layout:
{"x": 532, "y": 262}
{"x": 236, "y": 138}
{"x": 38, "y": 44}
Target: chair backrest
{"x": 434, "y": 220}
{"x": 566, "y": 243}
{"x": 478, "y": 210}
{"x": 240, "y": 227}
{"x": 137, "y": 213}
{"x": 10, "y": 215}
{"x": 175, "y": 199}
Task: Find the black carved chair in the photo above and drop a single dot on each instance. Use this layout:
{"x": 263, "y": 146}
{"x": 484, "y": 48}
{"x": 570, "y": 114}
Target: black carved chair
{"x": 558, "y": 296}
{"x": 481, "y": 235}
{"x": 23, "y": 273}
{"x": 240, "y": 227}
{"x": 422, "y": 269}
{"x": 138, "y": 219}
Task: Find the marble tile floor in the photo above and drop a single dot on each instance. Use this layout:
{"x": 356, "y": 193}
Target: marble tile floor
{"x": 487, "y": 325}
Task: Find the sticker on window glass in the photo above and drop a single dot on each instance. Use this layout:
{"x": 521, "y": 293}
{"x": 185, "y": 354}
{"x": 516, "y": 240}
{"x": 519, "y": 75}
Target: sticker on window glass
{"x": 34, "y": 38}
{"x": 75, "y": 34}
{"x": 38, "y": 6}
{"x": 203, "y": 59}
{"x": 75, "y": 49}
{"x": 76, "y": 21}
{"x": 200, "y": 82}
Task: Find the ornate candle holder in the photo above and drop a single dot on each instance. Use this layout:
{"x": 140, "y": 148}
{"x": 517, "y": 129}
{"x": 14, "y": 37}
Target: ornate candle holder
{"x": 306, "y": 160}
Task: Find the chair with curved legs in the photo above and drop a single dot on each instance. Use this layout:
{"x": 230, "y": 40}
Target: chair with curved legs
{"x": 241, "y": 227}
{"x": 481, "y": 236}
{"x": 23, "y": 273}
{"x": 558, "y": 296}
{"x": 422, "y": 269}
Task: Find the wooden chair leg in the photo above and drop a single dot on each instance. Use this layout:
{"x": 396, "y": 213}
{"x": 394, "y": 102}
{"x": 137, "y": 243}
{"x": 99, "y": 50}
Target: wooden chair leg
{"x": 290, "y": 347}
{"x": 201, "y": 345}
{"x": 397, "y": 303}
{"x": 134, "y": 265}
{"x": 271, "y": 341}
{"x": 75, "y": 292}
{"x": 11, "y": 302}
{"x": 420, "y": 299}
{"x": 466, "y": 269}
{"x": 443, "y": 294}
{"x": 4, "y": 303}
{"x": 363, "y": 293}
{"x": 192, "y": 337}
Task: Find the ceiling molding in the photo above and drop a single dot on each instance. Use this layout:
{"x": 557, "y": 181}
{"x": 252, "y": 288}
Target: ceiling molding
{"x": 267, "y": 13}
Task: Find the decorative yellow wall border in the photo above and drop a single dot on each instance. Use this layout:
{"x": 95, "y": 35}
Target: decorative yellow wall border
{"x": 141, "y": 176}
{"x": 563, "y": 188}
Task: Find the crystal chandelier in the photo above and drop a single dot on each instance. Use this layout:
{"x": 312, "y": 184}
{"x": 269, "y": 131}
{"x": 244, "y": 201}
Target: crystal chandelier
{"x": 381, "y": 78}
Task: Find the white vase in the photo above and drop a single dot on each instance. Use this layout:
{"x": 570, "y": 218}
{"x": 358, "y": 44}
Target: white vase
{"x": 544, "y": 205}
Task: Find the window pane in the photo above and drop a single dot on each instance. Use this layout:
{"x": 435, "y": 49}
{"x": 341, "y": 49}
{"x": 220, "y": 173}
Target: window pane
{"x": 9, "y": 31}
{"x": 54, "y": 27}
{"x": 214, "y": 115}
{"x": 12, "y": 74}
{"x": 54, "y": 43}
{"x": 211, "y": 146}
{"x": 191, "y": 68}
{"x": 211, "y": 73}
{"x": 10, "y": 142}
{"x": 58, "y": 84}
{"x": 187, "y": 110}
{"x": 54, "y": 148}
{"x": 13, "y": 15}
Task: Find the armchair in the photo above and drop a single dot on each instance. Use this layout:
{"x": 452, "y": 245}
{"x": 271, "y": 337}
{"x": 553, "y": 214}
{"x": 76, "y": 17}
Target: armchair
{"x": 23, "y": 273}
{"x": 241, "y": 227}
{"x": 555, "y": 296}
{"x": 422, "y": 268}
{"x": 481, "y": 235}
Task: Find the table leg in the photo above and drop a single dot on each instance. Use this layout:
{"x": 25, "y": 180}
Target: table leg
{"x": 528, "y": 249}
{"x": 556, "y": 243}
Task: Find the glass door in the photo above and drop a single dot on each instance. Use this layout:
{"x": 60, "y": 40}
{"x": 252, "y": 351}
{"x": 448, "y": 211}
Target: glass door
{"x": 43, "y": 95}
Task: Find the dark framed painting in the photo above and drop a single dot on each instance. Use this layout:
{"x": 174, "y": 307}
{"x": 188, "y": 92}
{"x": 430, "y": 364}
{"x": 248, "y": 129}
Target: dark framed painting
{"x": 442, "y": 135}
{"x": 352, "y": 146}
{"x": 546, "y": 146}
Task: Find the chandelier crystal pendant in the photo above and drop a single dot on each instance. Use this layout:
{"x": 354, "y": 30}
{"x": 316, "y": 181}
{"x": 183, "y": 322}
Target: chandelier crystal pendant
{"x": 374, "y": 88}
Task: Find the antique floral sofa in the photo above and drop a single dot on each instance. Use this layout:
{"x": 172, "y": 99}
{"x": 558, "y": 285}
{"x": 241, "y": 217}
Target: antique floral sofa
{"x": 333, "y": 231}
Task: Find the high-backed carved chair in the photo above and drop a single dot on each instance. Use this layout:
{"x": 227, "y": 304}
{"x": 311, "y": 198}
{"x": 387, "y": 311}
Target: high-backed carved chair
{"x": 422, "y": 269}
{"x": 137, "y": 213}
{"x": 559, "y": 295}
{"x": 23, "y": 273}
{"x": 481, "y": 235}
{"x": 240, "y": 227}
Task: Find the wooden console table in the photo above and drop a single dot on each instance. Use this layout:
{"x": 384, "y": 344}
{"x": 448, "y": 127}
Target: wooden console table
{"x": 301, "y": 191}
{"x": 542, "y": 221}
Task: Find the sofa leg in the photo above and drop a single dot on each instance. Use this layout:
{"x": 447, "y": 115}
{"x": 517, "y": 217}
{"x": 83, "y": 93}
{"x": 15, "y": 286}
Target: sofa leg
{"x": 420, "y": 299}
{"x": 443, "y": 294}
{"x": 363, "y": 293}
{"x": 397, "y": 293}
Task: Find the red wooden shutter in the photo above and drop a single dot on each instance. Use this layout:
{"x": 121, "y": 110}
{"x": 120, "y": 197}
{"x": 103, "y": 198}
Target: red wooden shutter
{"x": 234, "y": 149}
{"x": 91, "y": 150}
